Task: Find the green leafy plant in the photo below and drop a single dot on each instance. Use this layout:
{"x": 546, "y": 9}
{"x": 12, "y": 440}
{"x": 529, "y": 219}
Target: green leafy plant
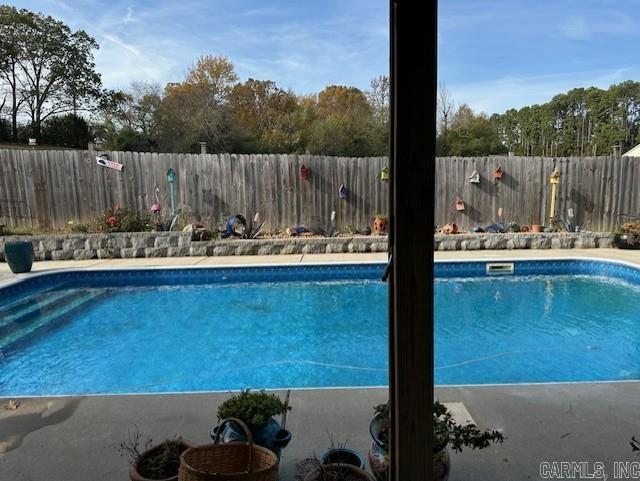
{"x": 254, "y": 408}
{"x": 122, "y": 219}
{"x": 78, "y": 227}
{"x": 446, "y": 431}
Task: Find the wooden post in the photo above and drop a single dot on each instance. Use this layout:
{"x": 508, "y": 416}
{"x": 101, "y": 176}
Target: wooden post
{"x": 413, "y": 130}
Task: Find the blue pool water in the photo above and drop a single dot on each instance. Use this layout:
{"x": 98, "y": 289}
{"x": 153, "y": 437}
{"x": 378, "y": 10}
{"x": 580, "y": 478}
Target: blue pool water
{"x": 135, "y": 332}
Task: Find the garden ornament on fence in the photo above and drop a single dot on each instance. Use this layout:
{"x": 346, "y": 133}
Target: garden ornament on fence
{"x": 236, "y": 225}
{"x": 497, "y": 174}
{"x": 474, "y": 178}
{"x": 554, "y": 181}
{"x": 450, "y": 228}
{"x": 384, "y": 174}
{"x": 304, "y": 172}
{"x": 459, "y": 204}
{"x": 156, "y": 210}
{"x": 343, "y": 191}
{"x": 255, "y": 227}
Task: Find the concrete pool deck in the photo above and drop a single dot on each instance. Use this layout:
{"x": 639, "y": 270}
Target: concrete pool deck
{"x": 76, "y": 438}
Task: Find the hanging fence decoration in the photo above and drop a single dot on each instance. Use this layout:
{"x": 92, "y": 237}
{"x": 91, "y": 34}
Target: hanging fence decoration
{"x": 474, "y": 178}
{"x": 304, "y": 172}
{"x": 384, "y": 174}
{"x": 459, "y": 203}
{"x": 498, "y": 173}
{"x": 103, "y": 160}
{"x": 343, "y": 191}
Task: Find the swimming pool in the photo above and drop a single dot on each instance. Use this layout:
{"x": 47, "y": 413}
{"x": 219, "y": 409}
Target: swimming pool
{"x": 207, "y": 329}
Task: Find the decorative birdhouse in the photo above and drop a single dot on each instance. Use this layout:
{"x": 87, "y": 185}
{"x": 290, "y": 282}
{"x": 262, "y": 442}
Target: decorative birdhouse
{"x": 304, "y": 172}
{"x": 343, "y": 191}
{"x": 497, "y": 175}
{"x": 459, "y": 204}
{"x": 555, "y": 176}
{"x": 474, "y": 178}
{"x": 384, "y": 174}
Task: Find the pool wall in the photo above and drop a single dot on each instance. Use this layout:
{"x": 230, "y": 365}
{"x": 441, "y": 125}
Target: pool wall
{"x": 154, "y": 276}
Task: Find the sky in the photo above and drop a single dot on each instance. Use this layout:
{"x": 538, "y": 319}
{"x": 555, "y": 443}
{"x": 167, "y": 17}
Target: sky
{"x": 493, "y": 55}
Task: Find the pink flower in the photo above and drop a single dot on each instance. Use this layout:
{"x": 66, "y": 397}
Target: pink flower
{"x": 112, "y": 221}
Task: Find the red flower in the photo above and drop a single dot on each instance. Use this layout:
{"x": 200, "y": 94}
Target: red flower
{"x": 112, "y": 221}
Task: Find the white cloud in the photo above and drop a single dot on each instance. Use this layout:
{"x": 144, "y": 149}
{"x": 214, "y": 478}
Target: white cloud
{"x": 503, "y": 93}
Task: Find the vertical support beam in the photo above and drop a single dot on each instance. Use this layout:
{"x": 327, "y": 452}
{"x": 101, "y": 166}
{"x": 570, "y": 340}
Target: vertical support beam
{"x": 413, "y": 130}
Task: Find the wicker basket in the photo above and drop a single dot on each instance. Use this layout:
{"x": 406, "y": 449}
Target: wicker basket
{"x": 229, "y": 462}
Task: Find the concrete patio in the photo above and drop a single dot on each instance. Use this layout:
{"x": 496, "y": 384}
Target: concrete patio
{"x": 76, "y": 439}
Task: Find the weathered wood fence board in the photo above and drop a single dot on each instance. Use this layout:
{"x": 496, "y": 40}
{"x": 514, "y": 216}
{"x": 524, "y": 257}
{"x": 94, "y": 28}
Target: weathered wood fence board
{"x": 50, "y": 188}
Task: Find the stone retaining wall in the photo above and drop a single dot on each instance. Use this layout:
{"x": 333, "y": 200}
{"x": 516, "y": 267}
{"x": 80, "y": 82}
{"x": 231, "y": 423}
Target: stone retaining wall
{"x": 546, "y": 240}
{"x": 179, "y": 244}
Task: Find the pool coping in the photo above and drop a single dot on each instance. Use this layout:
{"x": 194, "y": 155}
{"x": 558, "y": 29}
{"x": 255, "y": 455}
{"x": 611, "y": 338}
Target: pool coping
{"x": 19, "y": 278}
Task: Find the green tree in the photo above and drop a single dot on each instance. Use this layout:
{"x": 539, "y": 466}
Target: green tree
{"x": 343, "y": 123}
{"x": 68, "y": 130}
{"x": 198, "y": 109}
{"x": 471, "y": 134}
{"x": 378, "y": 98}
{"x": 53, "y": 66}
{"x": 129, "y": 120}
{"x": 13, "y": 22}
{"x": 267, "y": 116}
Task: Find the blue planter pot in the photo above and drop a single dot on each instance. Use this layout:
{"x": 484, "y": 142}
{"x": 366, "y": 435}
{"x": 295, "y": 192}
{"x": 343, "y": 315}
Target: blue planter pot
{"x": 19, "y": 256}
{"x": 342, "y": 456}
{"x": 270, "y": 436}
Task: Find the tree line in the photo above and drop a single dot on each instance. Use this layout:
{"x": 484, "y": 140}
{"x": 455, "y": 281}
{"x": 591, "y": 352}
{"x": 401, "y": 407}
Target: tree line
{"x": 256, "y": 116}
{"x": 581, "y": 122}
{"x": 50, "y": 90}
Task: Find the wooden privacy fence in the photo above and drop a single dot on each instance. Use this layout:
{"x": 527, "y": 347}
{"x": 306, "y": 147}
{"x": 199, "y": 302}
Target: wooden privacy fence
{"x": 50, "y": 188}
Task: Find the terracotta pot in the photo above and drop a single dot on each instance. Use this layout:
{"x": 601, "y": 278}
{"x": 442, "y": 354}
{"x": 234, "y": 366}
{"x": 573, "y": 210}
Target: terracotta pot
{"x": 380, "y": 225}
{"x": 537, "y": 228}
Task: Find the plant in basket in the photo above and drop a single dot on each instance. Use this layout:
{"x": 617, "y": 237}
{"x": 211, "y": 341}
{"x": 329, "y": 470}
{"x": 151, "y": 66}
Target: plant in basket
{"x": 153, "y": 462}
{"x": 256, "y": 410}
{"x": 446, "y": 432}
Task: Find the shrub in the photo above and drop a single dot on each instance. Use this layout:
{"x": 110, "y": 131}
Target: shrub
{"x": 121, "y": 219}
{"x": 254, "y": 408}
{"x": 446, "y": 432}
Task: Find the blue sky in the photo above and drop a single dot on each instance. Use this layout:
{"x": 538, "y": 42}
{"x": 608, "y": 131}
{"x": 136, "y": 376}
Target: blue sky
{"x": 492, "y": 54}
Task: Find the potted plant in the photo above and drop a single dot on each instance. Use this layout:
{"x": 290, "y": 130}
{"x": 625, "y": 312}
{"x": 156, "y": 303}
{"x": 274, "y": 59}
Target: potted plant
{"x": 338, "y": 453}
{"x": 338, "y": 463}
{"x": 19, "y": 256}
{"x": 149, "y": 462}
{"x": 627, "y": 236}
{"x": 380, "y": 224}
{"x": 446, "y": 432}
{"x": 256, "y": 410}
